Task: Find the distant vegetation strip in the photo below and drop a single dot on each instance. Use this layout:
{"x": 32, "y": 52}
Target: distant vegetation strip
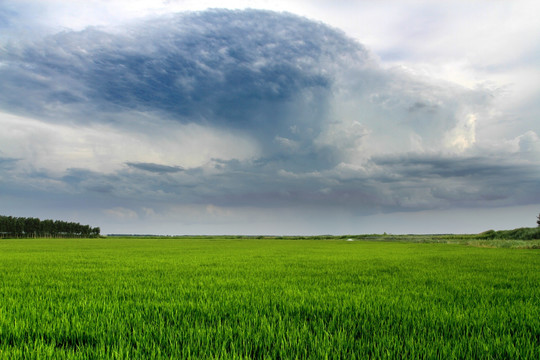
{"x": 516, "y": 234}
{"x": 22, "y": 227}
{"x": 525, "y": 238}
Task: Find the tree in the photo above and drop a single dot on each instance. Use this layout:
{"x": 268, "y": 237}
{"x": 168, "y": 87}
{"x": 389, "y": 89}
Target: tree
{"x": 47, "y": 228}
{"x": 538, "y": 221}
{"x": 20, "y": 227}
{"x": 96, "y": 231}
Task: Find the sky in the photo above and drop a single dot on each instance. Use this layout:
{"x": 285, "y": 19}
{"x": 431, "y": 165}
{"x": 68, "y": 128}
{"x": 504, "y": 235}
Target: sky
{"x": 271, "y": 117}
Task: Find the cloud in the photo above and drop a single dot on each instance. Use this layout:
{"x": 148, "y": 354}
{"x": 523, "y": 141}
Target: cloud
{"x": 463, "y": 181}
{"x": 155, "y": 168}
{"x": 5, "y": 17}
{"x": 222, "y": 66}
{"x": 529, "y": 142}
{"x": 243, "y": 110}
{"x": 7, "y": 162}
{"x": 121, "y": 213}
{"x": 56, "y": 147}
{"x": 252, "y": 72}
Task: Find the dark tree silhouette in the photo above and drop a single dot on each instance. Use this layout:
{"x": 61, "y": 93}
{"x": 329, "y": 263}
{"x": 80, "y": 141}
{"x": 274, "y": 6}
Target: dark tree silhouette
{"x": 19, "y": 227}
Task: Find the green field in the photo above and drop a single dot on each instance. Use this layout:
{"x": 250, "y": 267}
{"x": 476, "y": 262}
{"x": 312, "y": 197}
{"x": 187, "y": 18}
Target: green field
{"x": 130, "y": 298}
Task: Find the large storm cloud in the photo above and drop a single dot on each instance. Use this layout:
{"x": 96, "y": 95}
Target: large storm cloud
{"x": 263, "y": 73}
{"x": 244, "y": 109}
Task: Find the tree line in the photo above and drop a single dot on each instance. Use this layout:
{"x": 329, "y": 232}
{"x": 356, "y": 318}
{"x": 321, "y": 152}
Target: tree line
{"x": 21, "y": 227}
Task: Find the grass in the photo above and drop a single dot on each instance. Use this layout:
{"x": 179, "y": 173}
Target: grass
{"x": 219, "y": 298}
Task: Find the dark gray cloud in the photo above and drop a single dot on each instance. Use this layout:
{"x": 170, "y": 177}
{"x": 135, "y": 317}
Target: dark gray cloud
{"x": 155, "y": 168}
{"x": 440, "y": 166}
{"x": 395, "y": 183}
{"x": 7, "y": 163}
{"x": 255, "y": 71}
{"x": 463, "y": 181}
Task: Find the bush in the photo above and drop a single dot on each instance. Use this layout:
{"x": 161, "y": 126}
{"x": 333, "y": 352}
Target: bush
{"x": 515, "y": 234}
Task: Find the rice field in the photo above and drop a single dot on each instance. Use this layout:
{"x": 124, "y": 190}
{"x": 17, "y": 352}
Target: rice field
{"x": 220, "y": 298}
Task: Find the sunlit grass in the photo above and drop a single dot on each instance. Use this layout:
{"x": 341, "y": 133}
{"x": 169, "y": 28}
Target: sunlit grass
{"x": 266, "y": 298}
